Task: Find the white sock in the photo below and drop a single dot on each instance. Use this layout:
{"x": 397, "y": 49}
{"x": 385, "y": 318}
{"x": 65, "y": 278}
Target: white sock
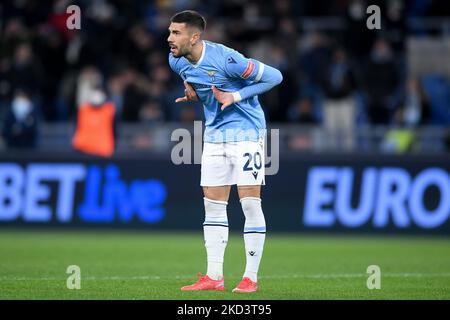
{"x": 254, "y": 235}
{"x": 215, "y": 230}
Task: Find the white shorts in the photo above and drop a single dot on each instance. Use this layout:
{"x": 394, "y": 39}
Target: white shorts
{"x": 230, "y": 163}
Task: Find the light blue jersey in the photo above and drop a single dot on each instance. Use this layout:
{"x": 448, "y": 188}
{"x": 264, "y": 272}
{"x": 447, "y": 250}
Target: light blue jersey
{"x": 229, "y": 71}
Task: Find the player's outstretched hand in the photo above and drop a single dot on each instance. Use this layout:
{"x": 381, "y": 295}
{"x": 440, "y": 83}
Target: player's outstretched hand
{"x": 189, "y": 94}
{"x": 225, "y": 98}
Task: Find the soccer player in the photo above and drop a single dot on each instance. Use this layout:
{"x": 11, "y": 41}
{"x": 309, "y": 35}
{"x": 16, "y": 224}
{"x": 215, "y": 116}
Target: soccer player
{"x": 227, "y": 83}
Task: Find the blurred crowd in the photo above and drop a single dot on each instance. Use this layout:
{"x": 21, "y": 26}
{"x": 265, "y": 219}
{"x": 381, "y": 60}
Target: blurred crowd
{"x": 337, "y": 75}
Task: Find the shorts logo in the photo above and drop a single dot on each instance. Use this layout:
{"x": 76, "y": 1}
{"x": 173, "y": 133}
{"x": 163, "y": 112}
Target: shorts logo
{"x": 255, "y": 174}
{"x": 248, "y": 71}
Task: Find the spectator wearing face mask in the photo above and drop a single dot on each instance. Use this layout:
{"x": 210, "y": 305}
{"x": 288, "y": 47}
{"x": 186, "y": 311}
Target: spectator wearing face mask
{"x": 95, "y": 130}
{"x": 20, "y": 126}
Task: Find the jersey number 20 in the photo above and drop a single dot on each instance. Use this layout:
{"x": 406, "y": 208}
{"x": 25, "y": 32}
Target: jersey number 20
{"x": 257, "y": 161}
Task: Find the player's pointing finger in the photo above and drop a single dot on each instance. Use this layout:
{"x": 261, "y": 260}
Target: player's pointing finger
{"x": 226, "y": 104}
{"x": 183, "y": 99}
{"x": 216, "y": 92}
{"x": 187, "y": 85}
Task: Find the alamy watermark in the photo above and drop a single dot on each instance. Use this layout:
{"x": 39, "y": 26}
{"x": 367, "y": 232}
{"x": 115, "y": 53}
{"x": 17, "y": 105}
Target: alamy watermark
{"x": 374, "y": 21}
{"x": 74, "y": 20}
{"x": 74, "y": 280}
{"x": 188, "y": 150}
{"x": 374, "y": 280}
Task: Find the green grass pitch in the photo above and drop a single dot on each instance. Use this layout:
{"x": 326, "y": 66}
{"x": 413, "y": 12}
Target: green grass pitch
{"x": 154, "y": 265}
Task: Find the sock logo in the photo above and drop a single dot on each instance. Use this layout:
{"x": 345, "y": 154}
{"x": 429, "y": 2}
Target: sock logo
{"x": 252, "y": 253}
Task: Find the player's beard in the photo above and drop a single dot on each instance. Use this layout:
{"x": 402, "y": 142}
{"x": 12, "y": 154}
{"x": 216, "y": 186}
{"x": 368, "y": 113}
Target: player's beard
{"x": 181, "y": 51}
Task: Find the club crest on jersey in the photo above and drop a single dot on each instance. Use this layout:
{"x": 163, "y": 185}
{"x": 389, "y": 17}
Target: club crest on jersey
{"x": 212, "y": 74}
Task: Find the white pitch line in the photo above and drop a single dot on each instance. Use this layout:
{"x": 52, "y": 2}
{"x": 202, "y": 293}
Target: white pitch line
{"x": 356, "y": 275}
{"x": 304, "y": 276}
